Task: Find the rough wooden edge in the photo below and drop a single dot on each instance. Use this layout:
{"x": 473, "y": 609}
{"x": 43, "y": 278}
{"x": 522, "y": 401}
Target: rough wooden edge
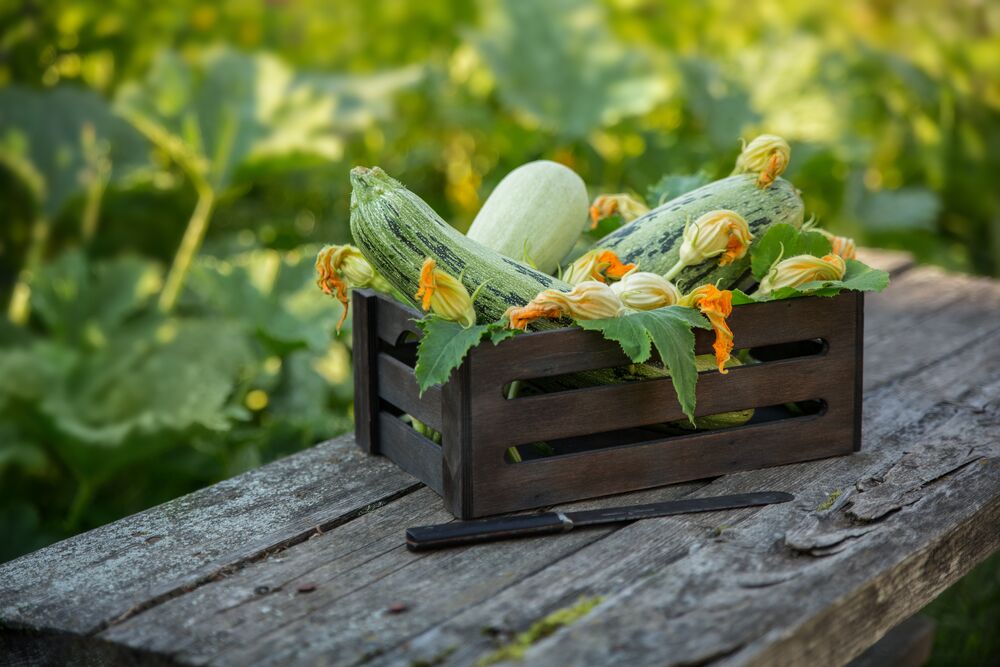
{"x": 909, "y": 644}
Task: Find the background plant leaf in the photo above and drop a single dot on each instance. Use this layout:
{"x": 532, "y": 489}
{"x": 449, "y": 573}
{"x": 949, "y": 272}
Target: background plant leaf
{"x": 227, "y": 110}
{"x": 557, "y": 63}
{"x": 43, "y": 139}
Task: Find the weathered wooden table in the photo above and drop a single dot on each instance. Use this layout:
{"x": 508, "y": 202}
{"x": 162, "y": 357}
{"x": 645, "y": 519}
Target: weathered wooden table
{"x": 302, "y": 561}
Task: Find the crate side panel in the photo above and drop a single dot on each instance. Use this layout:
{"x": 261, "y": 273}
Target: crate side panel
{"x": 503, "y": 422}
{"x": 410, "y": 451}
{"x": 604, "y": 472}
{"x": 398, "y": 386}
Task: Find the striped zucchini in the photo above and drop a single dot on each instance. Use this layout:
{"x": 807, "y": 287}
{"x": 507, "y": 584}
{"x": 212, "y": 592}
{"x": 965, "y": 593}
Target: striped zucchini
{"x": 396, "y": 231}
{"x": 653, "y": 241}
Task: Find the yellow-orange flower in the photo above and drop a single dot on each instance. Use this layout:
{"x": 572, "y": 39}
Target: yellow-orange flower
{"x": 767, "y": 155}
{"x": 716, "y": 305}
{"x": 722, "y": 233}
{"x": 444, "y": 295}
{"x": 642, "y": 290}
{"x": 800, "y": 270}
{"x": 596, "y": 265}
{"x": 625, "y": 205}
{"x": 341, "y": 267}
{"x": 841, "y": 245}
{"x": 589, "y": 300}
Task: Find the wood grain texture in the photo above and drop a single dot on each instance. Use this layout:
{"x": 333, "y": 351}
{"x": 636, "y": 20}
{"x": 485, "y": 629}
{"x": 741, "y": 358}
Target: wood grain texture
{"x": 240, "y": 574}
{"x": 82, "y": 584}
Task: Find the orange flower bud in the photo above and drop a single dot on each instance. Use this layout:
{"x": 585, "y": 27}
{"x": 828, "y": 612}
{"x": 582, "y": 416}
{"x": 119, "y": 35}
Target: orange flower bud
{"x": 800, "y": 270}
{"x": 767, "y": 155}
{"x": 716, "y": 305}
{"x": 596, "y": 265}
{"x": 589, "y": 300}
{"x": 642, "y": 290}
{"x": 342, "y": 267}
{"x": 723, "y": 234}
{"x": 444, "y": 295}
{"x": 841, "y": 245}
{"x": 625, "y": 205}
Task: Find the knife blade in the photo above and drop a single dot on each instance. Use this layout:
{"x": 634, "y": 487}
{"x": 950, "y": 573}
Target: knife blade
{"x": 458, "y": 533}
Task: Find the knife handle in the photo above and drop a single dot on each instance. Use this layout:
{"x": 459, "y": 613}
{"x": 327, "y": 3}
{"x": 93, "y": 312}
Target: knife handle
{"x": 485, "y": 530}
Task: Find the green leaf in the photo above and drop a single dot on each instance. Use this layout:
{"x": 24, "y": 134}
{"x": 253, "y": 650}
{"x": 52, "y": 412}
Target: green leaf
{"x": 557, "y": 63}
{"x": 445, "y": 343}
{"x": 784, "y": 241}
{"x": 59, "y": 141}
{"x": 273, "y": 294}
{"x": 224, "y": 111}
{"x": 672, "y": 186}
{"x": 669, "y": 330}
{"x": 157, "y": 375}
{"x": 740, "y": 297}
{"x": 83, "y": 301}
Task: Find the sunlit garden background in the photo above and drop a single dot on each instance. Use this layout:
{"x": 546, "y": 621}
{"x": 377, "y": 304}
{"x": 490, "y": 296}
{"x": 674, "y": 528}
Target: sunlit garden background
{"x": 170, "y": 169}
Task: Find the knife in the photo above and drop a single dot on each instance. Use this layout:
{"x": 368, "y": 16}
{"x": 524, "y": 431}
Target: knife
{"x": 527, "y": 525}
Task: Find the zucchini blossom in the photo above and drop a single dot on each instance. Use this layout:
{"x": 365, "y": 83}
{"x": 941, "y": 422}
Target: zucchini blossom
{"x": 802, "y": 269}
{"x": 767, "y": 156}
{"x": 716, "y": 305}
{"x": 642, "y": 290}
{"x": 596, "y": 265}
{"x": 625, "y": 205}
{"x": 444, "y": 295}
{"x": 588, "y": 300}
{"x": 722, "y": 233}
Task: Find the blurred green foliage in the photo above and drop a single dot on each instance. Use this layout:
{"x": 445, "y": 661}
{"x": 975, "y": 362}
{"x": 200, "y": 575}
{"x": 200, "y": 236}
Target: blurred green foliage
{"x": 168, "y": 170}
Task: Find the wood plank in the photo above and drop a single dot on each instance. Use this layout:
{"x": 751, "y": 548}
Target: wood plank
{"x": 582, "y": 411}
{"x": 398, "y": 386}
{"x": 896, "y": 262}
{"x": 411, "y": 451}
{"x": 623, "y": 566}
{"x": 961, "y": 309}
{"x": 556, "y": 352}
{"x": 82, "y": 584}
{"x": 359, "y": 570}
{"x": 908, "y": 644}
{"x": 364, "y": 348}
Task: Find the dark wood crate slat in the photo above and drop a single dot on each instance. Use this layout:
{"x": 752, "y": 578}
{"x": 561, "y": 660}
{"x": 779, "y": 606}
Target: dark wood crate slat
{"x": 500, "y": 423}
{"x": 644, "y": 465}
{"x": 398, "y": 386}
{"x": 570, "y": 350}
{"x": 364, "y": 349}
{"x": 394, "y": 318}
{"x": 410, "y": 450}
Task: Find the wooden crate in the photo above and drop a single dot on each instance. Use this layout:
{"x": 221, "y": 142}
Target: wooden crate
{"x": 812, "y": 349}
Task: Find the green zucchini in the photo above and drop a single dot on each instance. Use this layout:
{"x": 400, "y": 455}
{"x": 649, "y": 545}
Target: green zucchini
{"x": 397, "y": 231}
{"x": 653, "y": 241}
